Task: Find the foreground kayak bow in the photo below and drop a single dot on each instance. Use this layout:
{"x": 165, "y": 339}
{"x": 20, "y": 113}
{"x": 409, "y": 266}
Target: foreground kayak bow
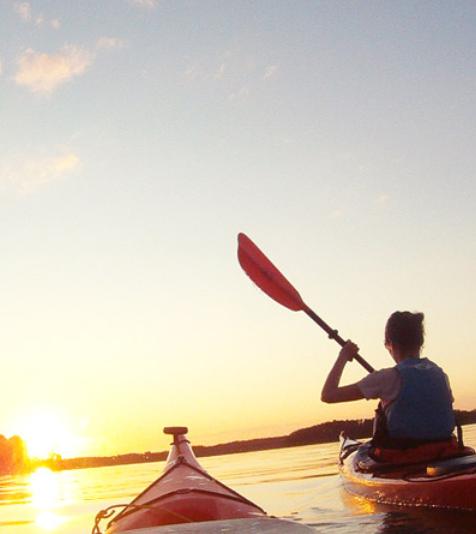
{"x": 439, "y": 483}
{"x": 184, "y": 493}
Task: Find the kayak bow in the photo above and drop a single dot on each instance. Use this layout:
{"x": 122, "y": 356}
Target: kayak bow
{"x": 184, "y": 493}
{"x": 449, "y": 483}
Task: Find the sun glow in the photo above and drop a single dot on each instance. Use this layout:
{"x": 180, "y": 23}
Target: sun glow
{"x": 46, "y": 433}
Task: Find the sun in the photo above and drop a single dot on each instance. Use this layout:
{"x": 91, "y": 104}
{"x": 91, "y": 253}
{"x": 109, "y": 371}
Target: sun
{"x": 46, "y": 433}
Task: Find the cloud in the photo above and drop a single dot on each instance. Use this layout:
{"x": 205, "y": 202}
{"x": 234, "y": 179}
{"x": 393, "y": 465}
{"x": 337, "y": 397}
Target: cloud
{"x": 239, "y": 75}
{"x": 383, "y": 199}
{"x": 31, "y": 173}
{"x": 244, "y": 92}
{"x": 148, "y": 4}
{"x": 43, "y": 73}
{"x": 1, "y": 66}
{"x": 23, "y": 9}
{"x": 337, "y": 213}
{"x": 41, "y": 22}
{"x": 108, "y": 43}
{"x": 197, "y": 72}
{"x": 220, "y": 72}
{"x": 270, "y": 71}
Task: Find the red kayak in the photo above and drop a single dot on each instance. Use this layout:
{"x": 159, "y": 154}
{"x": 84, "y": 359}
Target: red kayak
{"x": 184, "y": 493}
{"x": 448, "y": 483}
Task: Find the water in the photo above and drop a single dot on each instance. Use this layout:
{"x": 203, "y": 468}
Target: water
{"x": 300, "y": 484}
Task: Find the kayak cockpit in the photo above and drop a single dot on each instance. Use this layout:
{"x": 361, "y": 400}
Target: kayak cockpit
{"x": 438, "y": 482}
{"x": 432, "y": 460}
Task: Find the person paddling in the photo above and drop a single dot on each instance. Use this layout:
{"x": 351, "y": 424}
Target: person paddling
{"x": 416, "y": 402}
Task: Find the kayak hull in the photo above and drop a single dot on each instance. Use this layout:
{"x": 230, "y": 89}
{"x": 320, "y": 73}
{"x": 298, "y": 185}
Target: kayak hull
{"x": 410, "y": 485}
{"x": 184, "y": 493}
{"x": 262, "y": 525}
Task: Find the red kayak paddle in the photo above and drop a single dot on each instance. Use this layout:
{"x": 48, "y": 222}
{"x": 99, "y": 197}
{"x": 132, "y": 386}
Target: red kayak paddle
{"x": 270, "y": 280}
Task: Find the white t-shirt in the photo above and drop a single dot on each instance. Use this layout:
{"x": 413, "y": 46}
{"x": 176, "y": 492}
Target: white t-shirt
{"x": 383, "y": 384}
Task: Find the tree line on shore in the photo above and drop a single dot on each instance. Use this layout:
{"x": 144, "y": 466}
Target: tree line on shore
{"x": 13, "y": 456}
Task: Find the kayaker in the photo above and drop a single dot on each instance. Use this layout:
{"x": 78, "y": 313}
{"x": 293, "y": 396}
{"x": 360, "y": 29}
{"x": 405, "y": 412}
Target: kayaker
{"x": 416, "y": 403}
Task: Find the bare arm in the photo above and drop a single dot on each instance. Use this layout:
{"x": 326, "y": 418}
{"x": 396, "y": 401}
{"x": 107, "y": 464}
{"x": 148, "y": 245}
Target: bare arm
{"x": 332, "y": 392}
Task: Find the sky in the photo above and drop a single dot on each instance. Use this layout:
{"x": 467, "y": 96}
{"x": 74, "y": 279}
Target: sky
{"x": 139, "y": 137}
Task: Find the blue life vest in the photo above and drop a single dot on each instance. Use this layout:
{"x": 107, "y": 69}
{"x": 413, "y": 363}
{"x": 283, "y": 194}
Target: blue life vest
{"x": 423, "y": 409}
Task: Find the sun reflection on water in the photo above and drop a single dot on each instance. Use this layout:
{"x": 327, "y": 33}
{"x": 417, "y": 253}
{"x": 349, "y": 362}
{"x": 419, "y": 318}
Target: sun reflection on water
{"x": 47, "y": 494}
{"x": 49, "y": 520}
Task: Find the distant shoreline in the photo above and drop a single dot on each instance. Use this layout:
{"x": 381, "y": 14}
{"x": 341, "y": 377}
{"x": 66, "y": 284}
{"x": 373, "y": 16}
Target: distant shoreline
{"x": 322, "y": 433}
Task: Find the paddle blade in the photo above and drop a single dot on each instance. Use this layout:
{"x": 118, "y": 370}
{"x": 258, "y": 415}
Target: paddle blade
{"x": 266, "y": 276}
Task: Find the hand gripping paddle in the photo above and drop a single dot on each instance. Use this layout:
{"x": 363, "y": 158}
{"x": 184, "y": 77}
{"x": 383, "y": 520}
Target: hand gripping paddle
{"x": 270, "y": 280}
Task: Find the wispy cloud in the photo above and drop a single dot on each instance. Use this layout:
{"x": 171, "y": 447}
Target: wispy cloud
{"x": 270, "y": 71}
{"x": 220, "y": 72}
{"x": 148, "y": 4}
{"x": 43, "y": 73}
{"x": 244, "y": 92}
{"x": 27, "y": 174}
{"x": 25, "y": 12}
{"x": 239, "y": 76}
{"x": 108, "y": 43}
{"x": 40, "y": 21}
{"x": 196, "y": 72}
{"x": 337, "y": 213}
{"x": 383, "y": 199}
{"x": 23, "y": 9}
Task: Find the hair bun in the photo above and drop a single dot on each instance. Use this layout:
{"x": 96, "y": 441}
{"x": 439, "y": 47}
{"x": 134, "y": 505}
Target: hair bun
{"x": 405, "y": 329}
{"x": 419, "y": 317}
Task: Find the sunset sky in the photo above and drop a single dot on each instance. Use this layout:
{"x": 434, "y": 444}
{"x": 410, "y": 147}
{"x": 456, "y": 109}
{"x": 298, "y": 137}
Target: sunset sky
{"x": 138, "y": 137}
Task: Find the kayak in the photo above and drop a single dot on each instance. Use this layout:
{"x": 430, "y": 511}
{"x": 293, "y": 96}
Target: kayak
{"x": 448, "y": 483}
{"x": 186, "y": 499}
{"x": 184, "y": 493}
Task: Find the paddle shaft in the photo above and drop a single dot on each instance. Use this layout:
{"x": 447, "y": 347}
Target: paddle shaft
{"x": 333, "y": 334}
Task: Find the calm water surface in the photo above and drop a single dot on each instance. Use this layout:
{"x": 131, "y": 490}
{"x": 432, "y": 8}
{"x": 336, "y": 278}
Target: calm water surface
{"x": 299, "y": 483}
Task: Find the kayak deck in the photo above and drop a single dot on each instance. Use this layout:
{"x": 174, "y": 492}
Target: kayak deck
{"x": 184, "y": 493}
